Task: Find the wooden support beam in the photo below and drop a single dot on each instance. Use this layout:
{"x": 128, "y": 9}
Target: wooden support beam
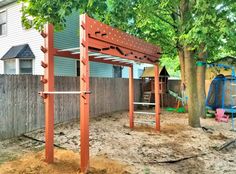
{"x": 84, "y": 99}
{"x": 49, "y": 100}
{"x": 131, "y": 97}
{"x": 157, "y": 96}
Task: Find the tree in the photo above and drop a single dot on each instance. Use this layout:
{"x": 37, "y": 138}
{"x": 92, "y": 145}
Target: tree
{"x": 191, "y": 29}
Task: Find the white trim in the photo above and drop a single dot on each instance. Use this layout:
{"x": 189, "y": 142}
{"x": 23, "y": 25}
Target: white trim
{"x": 33, "y": 66}
{"x": 17, "y": 65}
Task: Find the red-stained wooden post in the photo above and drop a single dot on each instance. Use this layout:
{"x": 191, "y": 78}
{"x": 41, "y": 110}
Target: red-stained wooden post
{"x": 49, "y": 86}
{"x": 84, "y": 98}
{"x": 157, "y": 96}
{"x": 131, "y": 97}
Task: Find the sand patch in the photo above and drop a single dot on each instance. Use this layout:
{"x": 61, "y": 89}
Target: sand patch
{"x": 173, "y": 128}
{"x": 66, "y": 161}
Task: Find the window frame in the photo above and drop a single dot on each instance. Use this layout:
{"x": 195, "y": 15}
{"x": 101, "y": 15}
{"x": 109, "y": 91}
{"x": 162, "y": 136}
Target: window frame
{"x": 2, "y": 11}
{"x": 5, "y": 61}
{"x": 19, "y": 68}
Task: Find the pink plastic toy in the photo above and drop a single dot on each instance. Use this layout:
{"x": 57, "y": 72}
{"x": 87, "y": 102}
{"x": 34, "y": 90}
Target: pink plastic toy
{"x": 220, "y": 115}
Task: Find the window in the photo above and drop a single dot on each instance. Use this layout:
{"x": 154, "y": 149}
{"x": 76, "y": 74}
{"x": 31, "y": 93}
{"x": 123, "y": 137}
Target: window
{"x": 25, "y": 67}
{"x": 3, "y": 23}
{"x": 10, "y": 66}
{"x": 117, "y": 71}
{"x": 78, "y": 68}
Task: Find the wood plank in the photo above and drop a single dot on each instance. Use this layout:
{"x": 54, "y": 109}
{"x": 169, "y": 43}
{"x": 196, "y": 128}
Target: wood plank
{"x": 23, "y": 109}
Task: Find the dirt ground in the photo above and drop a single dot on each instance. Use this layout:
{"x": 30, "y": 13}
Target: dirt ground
{"x": 115, "y": 149}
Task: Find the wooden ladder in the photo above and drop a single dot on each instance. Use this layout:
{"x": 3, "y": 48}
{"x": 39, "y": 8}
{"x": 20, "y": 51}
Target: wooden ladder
{"x": 147, "y": 97}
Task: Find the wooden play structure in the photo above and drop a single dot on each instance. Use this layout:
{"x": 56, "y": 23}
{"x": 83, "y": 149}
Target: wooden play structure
{"x": 148, "y": 90}
{"x": 98, "y": 43}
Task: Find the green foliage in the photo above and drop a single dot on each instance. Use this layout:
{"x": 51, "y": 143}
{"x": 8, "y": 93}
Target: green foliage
{"x": 55, "y": 11}
{"x": 172, "y": 65}
{"x": 163, "y": 22}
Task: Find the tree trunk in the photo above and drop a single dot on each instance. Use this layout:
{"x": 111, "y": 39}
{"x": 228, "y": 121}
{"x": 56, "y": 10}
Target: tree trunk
{"x": 201, "y": 70}
{"x": 182, "y": 67}
{"x": 191, "y": 84}
{"x": 182, "y": 71}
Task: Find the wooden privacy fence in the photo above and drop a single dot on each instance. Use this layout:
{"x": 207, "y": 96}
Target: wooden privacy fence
{"x": 22, "y": 109}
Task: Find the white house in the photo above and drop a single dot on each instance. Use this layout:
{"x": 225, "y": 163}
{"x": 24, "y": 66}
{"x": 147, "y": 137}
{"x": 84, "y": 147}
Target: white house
{"x": 20, "y": 48}
{"x": 12, "y": 33}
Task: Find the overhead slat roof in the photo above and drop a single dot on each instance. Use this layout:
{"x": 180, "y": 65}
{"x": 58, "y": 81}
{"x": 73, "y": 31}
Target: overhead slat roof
{"x": 110, "y": 45}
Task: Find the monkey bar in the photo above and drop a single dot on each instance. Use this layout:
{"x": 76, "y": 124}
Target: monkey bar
{"x": 144, "y": 103}
{"x": 99, "y": 43}
{"x": 65, "y": 92}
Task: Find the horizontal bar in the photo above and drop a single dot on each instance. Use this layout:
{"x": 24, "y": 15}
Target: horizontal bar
{"x": 234, "y": 107}
{"x": 76, "y": 52}
{"x": 90, "y": 53}
{"x": 117, "y": 59}
{"x": 104, "y": 56}
{"x": 145, "y": 122}
{"x": 233, "y": 84}
{"x": 122, "y": 60}
{"x": 94, "y": 54}
{"x": 70, "y": 49}
{"x": 143, "y": 103}
{"x": 233, "y": 95}
{"x": 110, "y": 58}
{"x": 65, "y": 92}
{"x": 148, "y": 113}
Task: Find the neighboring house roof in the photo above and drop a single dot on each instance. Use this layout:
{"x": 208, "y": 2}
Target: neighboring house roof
{"x": 149, "y": 72}
{"x": 6, "y": 2}
{"x": 19, "y": 51}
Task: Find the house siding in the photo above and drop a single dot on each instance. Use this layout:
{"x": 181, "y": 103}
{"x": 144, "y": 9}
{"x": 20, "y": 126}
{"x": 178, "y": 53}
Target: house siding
{"x": 137, "y": 71}
{"x": 68, "y": 38}
{"x": 65, "y": 66}
{"x": 16, "y": 35}
{"x": 101, "y": 70}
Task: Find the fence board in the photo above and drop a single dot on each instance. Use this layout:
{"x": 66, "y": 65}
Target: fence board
{"x": 22, "y": 109}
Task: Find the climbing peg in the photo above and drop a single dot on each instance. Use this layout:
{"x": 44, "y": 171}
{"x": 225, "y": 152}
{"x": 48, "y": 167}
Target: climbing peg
{"x": 43, "y": 80}
{"x": 43, "y": 64}
{"x": 43, "y": 49}
{"x": 44, "y": 35}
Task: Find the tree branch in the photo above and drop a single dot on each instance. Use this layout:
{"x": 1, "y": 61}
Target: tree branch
{"x": 169, "y": 9}
{"x": 166, "y": 21}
